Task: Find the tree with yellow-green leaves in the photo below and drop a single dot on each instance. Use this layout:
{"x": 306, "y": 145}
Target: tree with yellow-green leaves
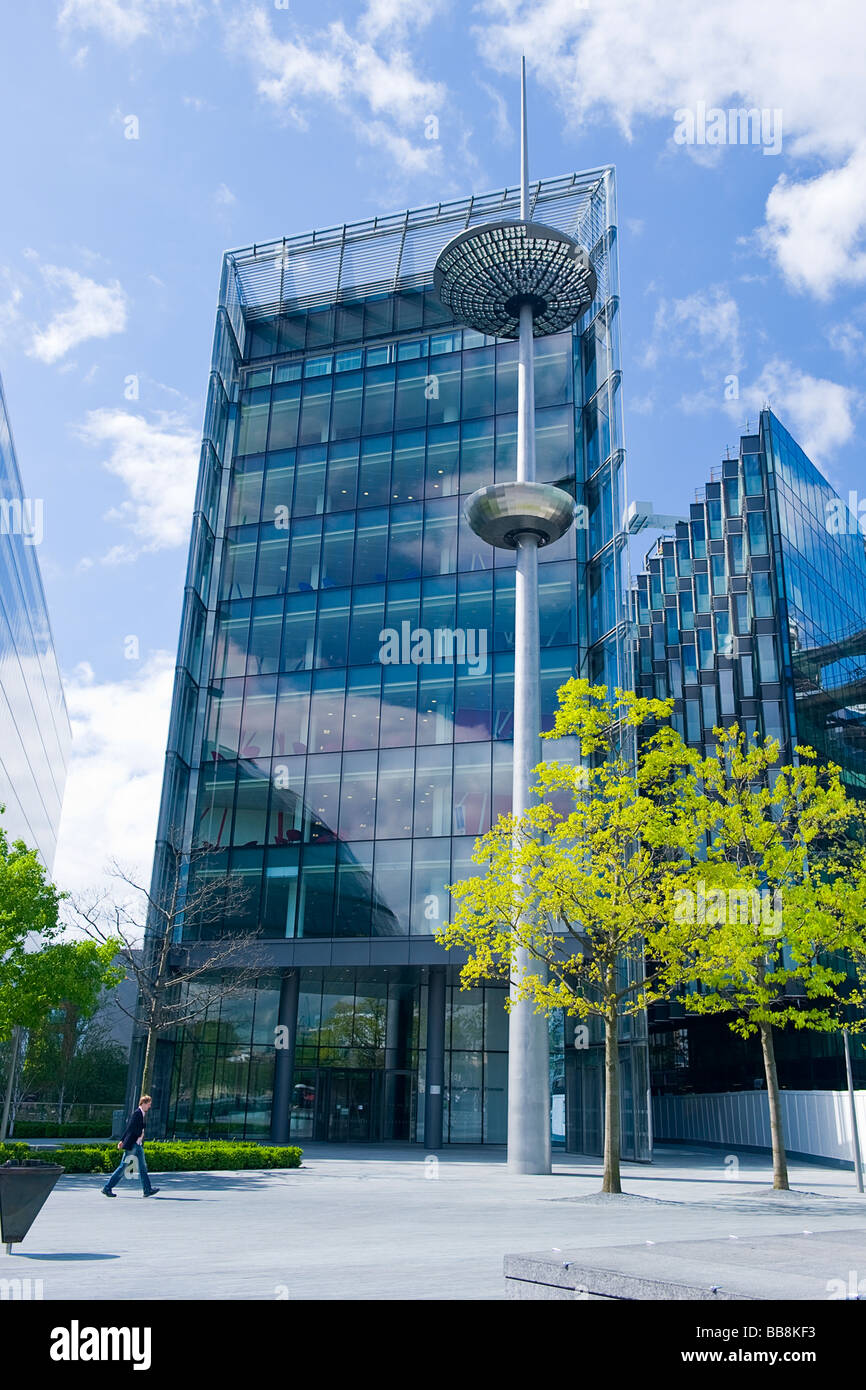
{"x": 646, "y": 871}
{"x": 585, "y": 881}
{"x": 780, "y": 896}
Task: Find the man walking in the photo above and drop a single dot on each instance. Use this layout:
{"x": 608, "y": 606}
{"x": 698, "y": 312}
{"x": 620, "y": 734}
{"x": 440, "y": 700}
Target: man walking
{"x": 130, "y": 1141}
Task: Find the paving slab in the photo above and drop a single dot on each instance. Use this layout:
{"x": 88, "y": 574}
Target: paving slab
{"x": 391, "y": 1223}
{"x": 798, "y": 1267}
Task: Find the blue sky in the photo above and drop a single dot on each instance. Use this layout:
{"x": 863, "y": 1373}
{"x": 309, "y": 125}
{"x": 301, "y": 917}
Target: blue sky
{"x": 254, "y": 120}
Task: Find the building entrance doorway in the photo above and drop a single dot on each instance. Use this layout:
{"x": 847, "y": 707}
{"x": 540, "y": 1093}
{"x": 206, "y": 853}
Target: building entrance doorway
{"x": 347, "y": 1098}
{"x": 358, "y": 1105}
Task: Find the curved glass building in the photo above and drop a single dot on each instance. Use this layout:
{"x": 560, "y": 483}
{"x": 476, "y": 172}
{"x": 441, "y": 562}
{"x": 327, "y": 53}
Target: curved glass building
{"x": 34, "y": 725}
{"x": 342, "y": 720}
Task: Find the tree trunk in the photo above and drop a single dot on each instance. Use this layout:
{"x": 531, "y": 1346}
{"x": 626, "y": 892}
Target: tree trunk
{"x": 10, "y": 1084}
{"x": 148, "y": 1061}
{"x": 780, "y": 1165}
{"x": 611, "y": 1182}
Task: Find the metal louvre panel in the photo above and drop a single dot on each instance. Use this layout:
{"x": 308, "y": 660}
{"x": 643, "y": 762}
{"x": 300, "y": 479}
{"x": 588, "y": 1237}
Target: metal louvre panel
{"x": 388, "y": 253}
{"x": 371, "y": 260}
{"x": 423, "y": 245}
{"x": 309, "y": 272}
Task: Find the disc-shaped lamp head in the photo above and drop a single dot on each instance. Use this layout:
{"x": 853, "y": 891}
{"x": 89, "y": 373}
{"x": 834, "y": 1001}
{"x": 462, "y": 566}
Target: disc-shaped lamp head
{"x": 486, "y": 274}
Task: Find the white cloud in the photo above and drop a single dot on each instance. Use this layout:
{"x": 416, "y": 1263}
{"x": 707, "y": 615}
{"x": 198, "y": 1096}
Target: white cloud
{"x": 815, "y": 229}
{"x": 375, "y": 87}
{"x": 366, "y": 73}
{"x": 631, "y": 59}
{"x": 502, "y": 128}
{"x": 819, "y": 413}
{"x": 119, "y": 23}
{"x": 224, "y": 198}
{"x": 9, "y": 307}
{"x": 158, "y": 464}
{"x": 705, "y": 325}
{"x": 412, "y": 159}
{"x": 123, "y": 24}
{"x": 113, "y": 785}
{"x": 846, "y": 338}
{"x": 398, "y": 16}
{"x": 96, "y": 311}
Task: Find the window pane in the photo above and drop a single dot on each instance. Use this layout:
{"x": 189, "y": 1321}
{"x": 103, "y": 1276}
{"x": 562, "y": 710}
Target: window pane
{"x": 326, "y": 712}
{"x": 332, "y": 632}
{"x": 368, "y": 617}
{"x": 284, "y": 417}
{"x": 362, "y": 708}
{"x": 304, "y": 556}
{"x": 293, "y": 709}
{"x": 348, "y": 395}
{"x": 395, "y": 794}
{"x": 371, "y": 547}
{"x": 471, "y": 789}
{"x": 299, "y": 627}
{"x": 342, "y": 478}
{"x": 253, "y": 428}
{"x": 411, "y": 402}
{"x": 442, "y": 461}
{"x": 379, "y": 400}
{"x": 433, "y": 791}
{"x": 478, "y": 383}
{"x": 407, "y": 482}
{"x": 375, "y": 475}
{"x": 358, "y": 796}
{"x": 310, "y": 483}
{"x": 337, "y": 551}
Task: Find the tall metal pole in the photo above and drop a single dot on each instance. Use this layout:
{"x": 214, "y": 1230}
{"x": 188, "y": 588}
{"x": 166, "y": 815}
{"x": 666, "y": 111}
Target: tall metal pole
{"x": 512, "y": 280}
{"x": 852, "y": 1101}
{"x": 528, "y": 1039}
{"x": 524, "y": 147}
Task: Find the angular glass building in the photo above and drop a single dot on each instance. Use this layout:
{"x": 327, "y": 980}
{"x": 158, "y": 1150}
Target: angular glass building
{"x": 754, "y": 611}
{"x": 34, "y": 725}
{"x": 344, "y": 697}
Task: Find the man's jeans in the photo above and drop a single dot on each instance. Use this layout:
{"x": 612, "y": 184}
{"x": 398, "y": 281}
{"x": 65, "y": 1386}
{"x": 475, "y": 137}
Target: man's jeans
{"x": 146, "y": 1184}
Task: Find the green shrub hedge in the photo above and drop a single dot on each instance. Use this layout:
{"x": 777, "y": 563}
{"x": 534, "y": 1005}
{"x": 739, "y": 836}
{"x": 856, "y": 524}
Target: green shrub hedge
{"x": 167, "y": 1156}
{"x": 78, "y": 1129}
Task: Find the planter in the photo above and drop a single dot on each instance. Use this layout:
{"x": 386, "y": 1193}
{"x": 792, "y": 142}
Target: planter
{"x": 24, "y": 1189}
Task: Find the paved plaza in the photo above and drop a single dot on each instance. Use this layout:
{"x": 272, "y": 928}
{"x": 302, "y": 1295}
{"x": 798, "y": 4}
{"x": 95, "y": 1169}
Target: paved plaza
{"x": 386, "y": 1223}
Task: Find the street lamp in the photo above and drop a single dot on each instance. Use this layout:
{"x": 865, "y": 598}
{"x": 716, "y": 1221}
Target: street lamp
{"x": 521, "y": 280}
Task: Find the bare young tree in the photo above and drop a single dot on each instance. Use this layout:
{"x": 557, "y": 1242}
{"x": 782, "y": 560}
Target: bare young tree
{"x": 176, "y": 943}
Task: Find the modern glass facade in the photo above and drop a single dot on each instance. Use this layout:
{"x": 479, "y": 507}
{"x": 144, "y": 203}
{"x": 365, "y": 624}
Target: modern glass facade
{"x": 360, "y": 1061}
{"x": 342, "y": 721}
{"x": 34, "y": 726}
{"x": 755, "y": 611}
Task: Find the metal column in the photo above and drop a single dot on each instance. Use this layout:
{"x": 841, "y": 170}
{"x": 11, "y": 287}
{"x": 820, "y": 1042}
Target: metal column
{"x": 434, "y": 1089}
{"x": 284, "y": 1057}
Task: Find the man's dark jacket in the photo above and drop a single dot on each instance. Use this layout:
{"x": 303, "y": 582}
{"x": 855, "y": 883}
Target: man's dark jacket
{"x": 134, "y": 1129}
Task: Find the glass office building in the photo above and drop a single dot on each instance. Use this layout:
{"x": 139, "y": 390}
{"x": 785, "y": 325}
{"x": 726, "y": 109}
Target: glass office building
{"x": 342, "y": 718}
{"x": 34, "y": 726}
{"x": 754, "y": 610}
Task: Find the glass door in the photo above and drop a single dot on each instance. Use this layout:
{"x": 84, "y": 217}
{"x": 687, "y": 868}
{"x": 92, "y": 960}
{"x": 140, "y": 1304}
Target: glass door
{"x": 399, "y": 1110}
{"x": 349, "y": 1106}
